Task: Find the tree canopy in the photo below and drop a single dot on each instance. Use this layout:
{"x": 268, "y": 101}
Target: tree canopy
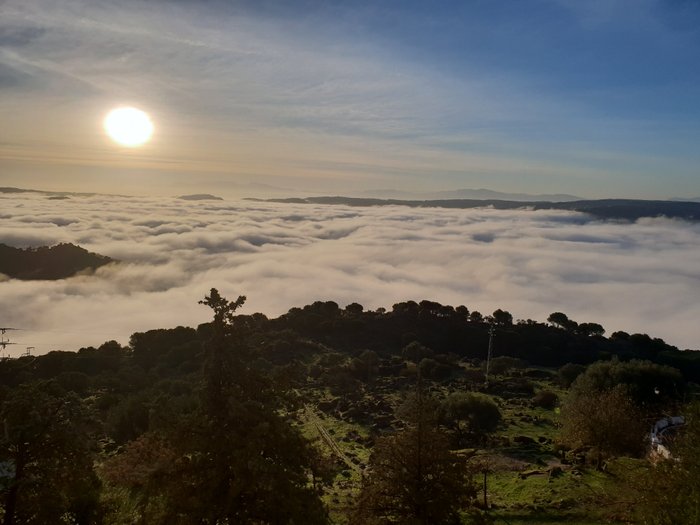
{"x": 46, "y": 456}
{"x": 469, "y": 413}
{"x": 606, "y": 420}
{"x": 648, "y": 384}
{"x": 233, "y": 458}
{"x": 413, "y": 476}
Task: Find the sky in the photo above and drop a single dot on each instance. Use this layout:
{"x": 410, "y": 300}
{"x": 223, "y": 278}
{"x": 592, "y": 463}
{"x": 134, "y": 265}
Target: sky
{"x": 596, "y": 99}
{"x": 639, "y": 277}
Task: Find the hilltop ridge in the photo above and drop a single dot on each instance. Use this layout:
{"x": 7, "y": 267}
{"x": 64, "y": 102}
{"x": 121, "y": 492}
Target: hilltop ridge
{"x": 48, "y": 263}
{"x": 607, "y": 209}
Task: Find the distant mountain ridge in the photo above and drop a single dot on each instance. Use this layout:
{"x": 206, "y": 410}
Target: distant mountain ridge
{"x": 681, "y": 199}
{"x": 200, "y": 197}
{"x": 60, "y": 194}
{"x": 466, "y": 193}
{"x": 48, "y": 263}
{"x": 609, "y": 209}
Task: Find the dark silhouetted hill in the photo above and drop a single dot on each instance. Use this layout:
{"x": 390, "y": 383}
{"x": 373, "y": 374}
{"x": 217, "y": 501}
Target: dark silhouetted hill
{"x": 468, "y": 193}
{"x": 48, "y": 263}
{"x": 607, "y": 209}
{"x": 200, "y": 197}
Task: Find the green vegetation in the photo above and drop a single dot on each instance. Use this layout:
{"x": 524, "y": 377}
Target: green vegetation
{"x": 232, "y": 458}
{"x": 607, "y": 420}
{"x": 305, "y": 419}
{"x": 671, "y": 490}
{"x": 470, "y": 415}
{"x": 413, "y": 476}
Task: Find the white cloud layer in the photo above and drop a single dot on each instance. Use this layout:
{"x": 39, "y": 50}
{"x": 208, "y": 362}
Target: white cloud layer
{"x": 641, "y": 277}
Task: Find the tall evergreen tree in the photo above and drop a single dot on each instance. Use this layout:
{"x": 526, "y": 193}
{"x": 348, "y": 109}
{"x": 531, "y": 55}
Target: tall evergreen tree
{"x": 235, "y": 459}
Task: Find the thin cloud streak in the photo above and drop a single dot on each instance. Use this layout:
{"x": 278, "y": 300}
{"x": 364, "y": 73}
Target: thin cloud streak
{"x": 640, "y": 277}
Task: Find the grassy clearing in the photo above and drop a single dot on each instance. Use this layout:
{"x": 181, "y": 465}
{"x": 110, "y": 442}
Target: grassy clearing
{"x": 575, "y": 496}
{"x": 532, "y": 422}
{"x": 527, "y": 483}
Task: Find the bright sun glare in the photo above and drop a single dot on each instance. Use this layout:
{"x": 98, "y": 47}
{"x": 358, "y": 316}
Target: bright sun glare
{"x": 128, "y": 126}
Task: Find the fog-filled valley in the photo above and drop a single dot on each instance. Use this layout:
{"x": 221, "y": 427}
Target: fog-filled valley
{"x": 637, "y": 277}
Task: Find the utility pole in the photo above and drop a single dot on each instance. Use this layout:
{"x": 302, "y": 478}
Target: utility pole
{"x": 4, "y": 342}
{"x": 492, "y": 333}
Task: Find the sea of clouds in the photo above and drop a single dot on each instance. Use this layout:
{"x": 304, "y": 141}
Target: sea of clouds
{"x": 638, "y": 277}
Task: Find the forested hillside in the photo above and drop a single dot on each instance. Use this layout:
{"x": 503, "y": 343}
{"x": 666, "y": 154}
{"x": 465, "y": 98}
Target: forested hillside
{"x": 341, "y": 415}
{"x": 48, "y": 262}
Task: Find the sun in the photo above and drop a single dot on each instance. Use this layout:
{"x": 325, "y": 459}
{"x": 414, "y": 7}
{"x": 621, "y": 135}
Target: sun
{"x": 128, "y": 126}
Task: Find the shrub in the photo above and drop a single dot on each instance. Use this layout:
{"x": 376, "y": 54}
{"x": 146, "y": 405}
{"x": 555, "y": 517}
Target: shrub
{"x": 568, "y": 373}
{"x": 545, "y": 399}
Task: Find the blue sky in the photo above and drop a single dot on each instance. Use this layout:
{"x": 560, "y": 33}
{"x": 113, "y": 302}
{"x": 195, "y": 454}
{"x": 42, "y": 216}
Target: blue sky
{"x": 597, "y": 98}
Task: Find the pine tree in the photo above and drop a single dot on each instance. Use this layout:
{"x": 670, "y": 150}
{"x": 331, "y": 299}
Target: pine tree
{"x": 234, "y": 459}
